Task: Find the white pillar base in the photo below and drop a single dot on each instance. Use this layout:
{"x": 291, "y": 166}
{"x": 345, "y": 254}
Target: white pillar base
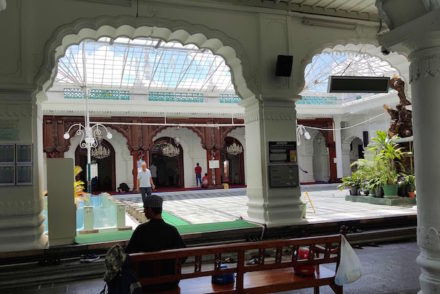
{"x": 269, "y": 121}
{"x": 282, "y": 209}
{"x": 22, "y": 232}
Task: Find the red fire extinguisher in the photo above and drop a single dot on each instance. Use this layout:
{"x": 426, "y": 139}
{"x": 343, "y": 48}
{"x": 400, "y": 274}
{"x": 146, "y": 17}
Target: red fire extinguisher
{"x": 305, "y": 270}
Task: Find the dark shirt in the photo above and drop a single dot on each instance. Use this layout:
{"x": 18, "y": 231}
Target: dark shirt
{"x": 152, "y": 236}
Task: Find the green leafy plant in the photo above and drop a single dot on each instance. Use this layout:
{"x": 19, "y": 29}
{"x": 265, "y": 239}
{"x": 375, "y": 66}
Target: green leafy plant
{"x": 388, "y": 158}
{"x": 410, "y": 180}
{"x": 353, "y": 183}
{"x": 365, "y": 170}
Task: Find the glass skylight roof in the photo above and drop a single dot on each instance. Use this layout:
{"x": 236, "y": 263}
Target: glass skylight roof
{"x": 144, "y": 64}
{"x": 343, "y": 64}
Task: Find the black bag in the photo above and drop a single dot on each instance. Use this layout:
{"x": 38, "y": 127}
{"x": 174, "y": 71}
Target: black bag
{"x": 119, "y": 276}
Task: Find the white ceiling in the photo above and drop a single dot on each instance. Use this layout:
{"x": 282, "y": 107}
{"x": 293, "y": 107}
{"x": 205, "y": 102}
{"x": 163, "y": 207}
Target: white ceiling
{"x": 356, "y": 9}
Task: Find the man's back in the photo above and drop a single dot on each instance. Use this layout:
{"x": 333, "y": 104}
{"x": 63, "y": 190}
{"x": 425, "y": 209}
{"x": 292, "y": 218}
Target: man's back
{"x": 198, "y": 170}
{"x": 156, "y": 235}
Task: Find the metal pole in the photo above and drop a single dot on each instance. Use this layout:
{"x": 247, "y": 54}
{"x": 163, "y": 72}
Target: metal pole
{"x": 88, "y": 145}
{"x": 89, "y": 160}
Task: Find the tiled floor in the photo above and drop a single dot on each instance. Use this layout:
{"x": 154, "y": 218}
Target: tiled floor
{"x": 227, "y": 205}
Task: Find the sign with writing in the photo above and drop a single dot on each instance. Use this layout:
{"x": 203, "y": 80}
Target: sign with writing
{"x": 9, "y": 130}
{"x": 283, "y": 176}
{"x": 282, "y": 152}
{"x": 214, "y": 164}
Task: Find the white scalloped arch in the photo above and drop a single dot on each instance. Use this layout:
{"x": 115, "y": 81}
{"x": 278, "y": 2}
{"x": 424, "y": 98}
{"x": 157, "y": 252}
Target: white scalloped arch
{"x": 396, "y": 60}
{"x": 126, "y": 26}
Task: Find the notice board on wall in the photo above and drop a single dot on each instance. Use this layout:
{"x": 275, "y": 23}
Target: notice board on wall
{"x": 283, "y": 168}
{"x": 282, "y": 152}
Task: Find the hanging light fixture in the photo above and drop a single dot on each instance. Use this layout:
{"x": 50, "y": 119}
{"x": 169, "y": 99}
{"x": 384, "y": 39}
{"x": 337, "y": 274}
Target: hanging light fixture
{"x": 301, "y": 131}
{"x": 91, "y": 136}
{"x": 234, "y": 149}
{"x": 169, "y": 150}
{"x": 100, "y": 152}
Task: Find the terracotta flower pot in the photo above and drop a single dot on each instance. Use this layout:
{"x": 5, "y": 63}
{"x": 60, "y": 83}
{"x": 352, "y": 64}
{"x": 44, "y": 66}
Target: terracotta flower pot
{"x": 412, "y": 194}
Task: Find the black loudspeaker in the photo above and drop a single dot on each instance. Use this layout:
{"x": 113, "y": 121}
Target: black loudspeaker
{"x": 349, "y": 84}
{"x": 284, "y": 66}
{"x": 365, "y": 137}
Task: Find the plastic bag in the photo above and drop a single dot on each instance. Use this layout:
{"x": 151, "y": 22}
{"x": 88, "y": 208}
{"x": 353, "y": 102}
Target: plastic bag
{"x": 349, "y": 269}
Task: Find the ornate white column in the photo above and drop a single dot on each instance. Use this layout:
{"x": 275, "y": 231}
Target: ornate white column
{"x": 21, "y": 219}
{"x": 419, "y": 39}
{"x": 269, "y": 120}
{"x": 338, "y": 142}
{"x": 425, "y": 86}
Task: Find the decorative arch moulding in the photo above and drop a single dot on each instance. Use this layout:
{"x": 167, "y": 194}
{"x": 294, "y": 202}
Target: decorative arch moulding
{"x": 165, "y": 29}
{"x": 363, "y": 45}
{"x": 139, "y": 137}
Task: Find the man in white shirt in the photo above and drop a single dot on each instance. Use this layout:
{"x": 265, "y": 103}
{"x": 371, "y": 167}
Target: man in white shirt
{"x": 144, "y": 182}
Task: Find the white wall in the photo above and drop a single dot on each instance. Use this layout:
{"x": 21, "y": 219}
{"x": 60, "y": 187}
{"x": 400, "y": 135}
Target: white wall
{"x": 321, "y": 165}
{"x": 382, "y": 123}
{"x": 305, "y": 159}
{"x": 123, "y": 158}
{"x": 192, "y": 152}
{"x": 239, "y": 135}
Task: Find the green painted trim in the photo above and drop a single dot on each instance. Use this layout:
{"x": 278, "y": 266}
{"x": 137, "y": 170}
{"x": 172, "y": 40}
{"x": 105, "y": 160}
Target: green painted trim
{"x": 392, "y": 201}
{"x": 97, "y": 94}
{"x": 183, "y": 229}
{"x": 174, "y": 220}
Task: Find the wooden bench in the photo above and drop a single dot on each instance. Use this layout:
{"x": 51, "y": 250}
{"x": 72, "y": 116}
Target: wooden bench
{"x": 272, "y": 269}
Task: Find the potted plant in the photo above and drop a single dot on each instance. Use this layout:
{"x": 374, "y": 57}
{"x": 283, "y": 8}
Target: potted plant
{"x": 371, "y": 171}
{"x": 353, "y": 183}
{"x": 364, "y": 171}
{"x": 388, "y": 157}
{"x": 378, "y": 179}
{"x": 402, "y": 183}
{"x": 375, "y": 185}
{"x": 411, "y": 181}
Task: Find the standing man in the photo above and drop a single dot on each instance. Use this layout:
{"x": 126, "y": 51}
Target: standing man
{"x": 144, "y": 182}
{"x": 198, "y": 171}
{"x": 140, "y": 160}
{"x": 153, "y": 170}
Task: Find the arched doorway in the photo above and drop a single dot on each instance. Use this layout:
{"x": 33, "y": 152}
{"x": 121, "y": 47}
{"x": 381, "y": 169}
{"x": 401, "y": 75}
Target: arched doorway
{"x": 170, "y": 170}
{"x": 356, "y": 150}
{"x": 232, "y": 161}
{"x": 321, "y": 168}
{"x": 103, "y": 170}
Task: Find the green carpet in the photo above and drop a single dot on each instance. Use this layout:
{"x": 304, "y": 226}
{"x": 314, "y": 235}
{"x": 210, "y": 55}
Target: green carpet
{"x": 214, "y": 227}
{"x": 182, "y": 226}
{"x": 103, "y": 237}
{"x": 173, "y": 220}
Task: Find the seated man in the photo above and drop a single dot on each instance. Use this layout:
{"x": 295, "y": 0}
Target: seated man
{"x": 123, "y": 188}
{"x": 155, "y": 235}
{"x": 205, "y": 181}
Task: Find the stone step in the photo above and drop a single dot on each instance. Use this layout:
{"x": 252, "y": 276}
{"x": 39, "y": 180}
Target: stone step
{"x": 33, "y": 274}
